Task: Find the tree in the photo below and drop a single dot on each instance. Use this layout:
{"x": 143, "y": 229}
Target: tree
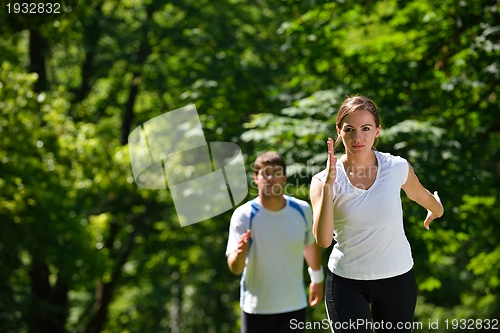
{"x": 99, "y": 254}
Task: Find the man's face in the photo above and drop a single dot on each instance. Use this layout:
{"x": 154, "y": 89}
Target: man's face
{"x": 270, "y": 180}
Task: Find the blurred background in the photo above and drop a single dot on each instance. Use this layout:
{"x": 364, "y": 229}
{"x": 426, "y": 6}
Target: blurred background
{"x": 83, "y": 249}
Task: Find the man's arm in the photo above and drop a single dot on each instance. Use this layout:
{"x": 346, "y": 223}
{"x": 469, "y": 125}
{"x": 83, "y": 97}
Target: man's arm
{"x": 236, "y": 259}
{"x": 313, "y": 258}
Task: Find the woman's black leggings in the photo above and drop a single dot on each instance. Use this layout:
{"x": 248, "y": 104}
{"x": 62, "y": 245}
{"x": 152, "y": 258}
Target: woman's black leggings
{"x": 392, "y": 303}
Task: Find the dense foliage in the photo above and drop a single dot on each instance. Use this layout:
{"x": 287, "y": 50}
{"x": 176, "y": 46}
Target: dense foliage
{"x": 83, "y": 249}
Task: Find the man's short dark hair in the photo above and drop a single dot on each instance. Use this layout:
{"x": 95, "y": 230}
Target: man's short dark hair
{"x": 269, "y": 158}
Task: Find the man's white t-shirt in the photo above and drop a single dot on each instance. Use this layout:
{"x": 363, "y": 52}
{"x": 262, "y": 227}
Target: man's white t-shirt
{"x": 272, "y": 281}
{"x": 368, "y": 224}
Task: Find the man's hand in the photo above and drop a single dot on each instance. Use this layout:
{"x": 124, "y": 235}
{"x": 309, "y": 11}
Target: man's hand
{"x": 236, "y": 259}
{"x": 315, "y": 293}
{"x": 244, "y": 242}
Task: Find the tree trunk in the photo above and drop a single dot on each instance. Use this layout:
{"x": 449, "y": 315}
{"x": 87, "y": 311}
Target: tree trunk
{"x": 128, "y": 115}
{"x": 38, "y": 49}
{"x": 49, "y": 305}
{"x": 104, "y": 292}
{"x": 40, "y": 288}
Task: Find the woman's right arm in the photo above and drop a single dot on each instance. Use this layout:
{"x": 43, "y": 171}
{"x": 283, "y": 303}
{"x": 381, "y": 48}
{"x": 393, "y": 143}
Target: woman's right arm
{"x": 322, "y": 201}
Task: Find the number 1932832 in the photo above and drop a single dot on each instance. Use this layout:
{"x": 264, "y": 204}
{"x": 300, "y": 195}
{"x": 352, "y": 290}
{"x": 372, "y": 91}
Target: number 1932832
{"x": 472, "y": 324}
{"x": 33, "y": 8}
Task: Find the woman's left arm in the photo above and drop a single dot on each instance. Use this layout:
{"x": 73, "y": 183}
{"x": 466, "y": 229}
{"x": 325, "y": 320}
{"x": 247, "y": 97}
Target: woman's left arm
{"x": 416, "y": 192}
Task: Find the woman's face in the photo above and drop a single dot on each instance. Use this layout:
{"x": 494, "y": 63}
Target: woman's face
{"x": 358, "y": 132}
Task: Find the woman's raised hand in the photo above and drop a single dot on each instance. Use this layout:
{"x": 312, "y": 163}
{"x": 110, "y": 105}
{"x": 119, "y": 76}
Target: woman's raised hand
{"x": 331, "y": 163}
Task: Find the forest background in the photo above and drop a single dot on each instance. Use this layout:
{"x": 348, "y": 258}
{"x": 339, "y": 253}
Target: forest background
{"x": 83, "y": 249}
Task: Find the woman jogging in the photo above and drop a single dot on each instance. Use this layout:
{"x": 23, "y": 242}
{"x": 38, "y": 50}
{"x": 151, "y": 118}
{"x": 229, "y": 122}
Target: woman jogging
{"x": 356, "y": 202}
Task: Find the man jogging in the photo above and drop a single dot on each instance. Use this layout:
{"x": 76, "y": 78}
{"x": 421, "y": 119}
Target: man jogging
{"x": 268, "y": 238}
